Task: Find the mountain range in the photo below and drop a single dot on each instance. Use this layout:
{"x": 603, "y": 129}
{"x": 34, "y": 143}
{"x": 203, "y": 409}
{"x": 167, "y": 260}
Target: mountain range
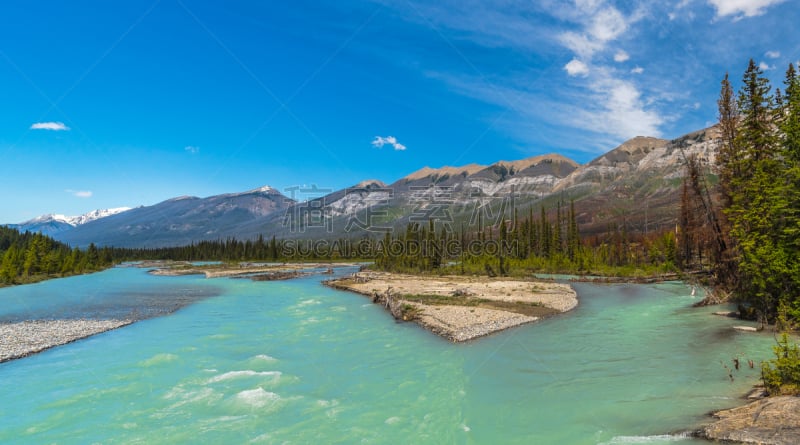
{"x": 636, "y": 185}
{"x": 53, "y": 224}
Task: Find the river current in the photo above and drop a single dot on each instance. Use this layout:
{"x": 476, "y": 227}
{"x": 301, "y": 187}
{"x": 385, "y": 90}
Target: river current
{"x": 296, "y": 362}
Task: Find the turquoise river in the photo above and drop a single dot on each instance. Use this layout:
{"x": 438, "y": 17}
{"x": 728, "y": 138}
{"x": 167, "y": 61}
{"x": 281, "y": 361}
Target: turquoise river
{"x": 296, "y": 362}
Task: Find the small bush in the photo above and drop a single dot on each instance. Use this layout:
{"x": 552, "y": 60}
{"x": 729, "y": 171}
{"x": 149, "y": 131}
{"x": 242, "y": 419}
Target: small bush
{"x": 782, "y": 374}
{"x": 409, "y": 312}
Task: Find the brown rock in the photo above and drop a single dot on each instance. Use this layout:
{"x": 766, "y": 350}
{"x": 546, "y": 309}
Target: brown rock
{"x": 770, "y": 421}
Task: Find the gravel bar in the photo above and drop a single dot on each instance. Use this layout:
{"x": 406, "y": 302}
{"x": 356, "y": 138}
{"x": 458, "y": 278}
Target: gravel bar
{"x": 460, "y": 320}
{"x": 459, "y": 323}
{"x": 24, "y": 338}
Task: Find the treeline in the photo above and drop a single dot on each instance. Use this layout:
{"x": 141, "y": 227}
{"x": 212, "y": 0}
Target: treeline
{"x": 219, "y": 250}
{"x": 28, "y": 257}
{"x": 749, "y": 223}
{"x": 545, "y": 240}
{"x": 548, "y": 242}
{"x": 421, "y": 248}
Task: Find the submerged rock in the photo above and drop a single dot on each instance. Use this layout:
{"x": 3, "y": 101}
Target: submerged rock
{"x": 769, "y": 421}
{"x": 746, "y": 328}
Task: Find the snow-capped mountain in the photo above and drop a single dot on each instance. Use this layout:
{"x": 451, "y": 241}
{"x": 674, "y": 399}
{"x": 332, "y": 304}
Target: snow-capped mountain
{"x": 96, "y": 214}
{"x": 80, "y": 219}
{"x": 636, "y": 185}
{"x": 183, "y": 220}
{"x": 54, "y": 223}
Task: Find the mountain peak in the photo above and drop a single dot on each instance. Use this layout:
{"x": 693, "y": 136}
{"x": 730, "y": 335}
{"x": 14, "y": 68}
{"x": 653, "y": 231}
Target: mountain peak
{"x": 53, "y": 223}
{"x": 641, "y": 142}
{"x": 630, "y": 151}
{"x": 369, "y": 183}
{"x": 181, "y": 198}
{"x": 522, "y": 164}
{"x": 48, "y": 217}
{"x": 96, "y": 214}
{"x": 264, "y": 189}
{"x": 75, "y": 220}
{"x": 426, "y": 171}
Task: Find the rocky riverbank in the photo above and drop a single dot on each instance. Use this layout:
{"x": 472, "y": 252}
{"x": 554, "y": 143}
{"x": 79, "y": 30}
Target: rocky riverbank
{"x": 768, "y": 421}
{"x": 24, "y": 338}
{"x": 461, "y": 308}
{"x": 238, "y": 270}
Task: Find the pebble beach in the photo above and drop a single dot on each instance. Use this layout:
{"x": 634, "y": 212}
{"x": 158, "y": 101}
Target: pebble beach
{"x": 463, "y": 319}
{"x": 24, "y": 338}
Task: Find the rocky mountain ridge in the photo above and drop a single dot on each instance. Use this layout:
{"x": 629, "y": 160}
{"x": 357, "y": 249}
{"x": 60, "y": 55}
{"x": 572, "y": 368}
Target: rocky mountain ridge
{"x": 54, "y": 223}
{"x": 179, "y": 221}
{"x": 636, "y": 185}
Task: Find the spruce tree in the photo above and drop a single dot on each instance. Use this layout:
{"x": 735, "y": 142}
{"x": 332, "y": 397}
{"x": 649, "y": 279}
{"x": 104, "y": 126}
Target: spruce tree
{"x": 757, "y": 165}
{"x": 729, "y": 157}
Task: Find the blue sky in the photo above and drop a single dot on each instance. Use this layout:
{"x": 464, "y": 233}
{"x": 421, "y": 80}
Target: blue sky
{"x": 109, "y": 104}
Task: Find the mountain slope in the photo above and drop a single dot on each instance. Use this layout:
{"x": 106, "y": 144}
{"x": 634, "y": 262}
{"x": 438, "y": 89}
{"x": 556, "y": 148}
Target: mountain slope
{"x": 636, "y": 185}
{"x": 53, "y": 224}
{"x": 447, "y": 194}
{"x": 44, "y": 225}
{"x": 179, "y": 221}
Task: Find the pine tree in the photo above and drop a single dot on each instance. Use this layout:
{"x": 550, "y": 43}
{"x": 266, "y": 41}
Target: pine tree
{"x": 573, "y": 237}
{"x": 790, "y": 152}
{"x": 8, "y": 267}
{"x": 791, "y": 117}
{"x": 729, "y": 158}
{"x": 760, "y": 206}
{"x": 557, "y": 247}
{"x": 755, "y": 134}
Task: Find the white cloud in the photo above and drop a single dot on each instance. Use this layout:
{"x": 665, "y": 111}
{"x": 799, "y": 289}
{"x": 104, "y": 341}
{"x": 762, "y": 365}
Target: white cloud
{"x": 619, "y": 110}
{"x": 610, "y": 110}
{"x": 588, "y": 6}
{"x": 607, "y": 24}
{"x": 53, "y": 126}
{"x": 742, "y": 8}
{"x": 486, "y": 23}
{"x": 379, "y": 142}
{"x": 576, "y": 68}
{"x": 79, "y": 193}
{"x": 681, "y": 11}
{"x": 602, "y": 99}
{"x": 192, "y": 149}
{"x": 580, "y": 44}
{"x": 765, "y": 67}
{"x": 773, "y": 54}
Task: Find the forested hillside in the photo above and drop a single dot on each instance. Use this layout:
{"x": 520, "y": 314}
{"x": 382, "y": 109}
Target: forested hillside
{"x": 29, "y": 257}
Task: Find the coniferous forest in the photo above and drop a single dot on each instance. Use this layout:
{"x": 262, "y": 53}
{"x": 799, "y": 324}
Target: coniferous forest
{"x": 739, "y": 224}
{"x": 30, "y": 257}
{"x": 542, "y": 240}
{"x": 749, "y": 222}
{"x": 738, "y": 229}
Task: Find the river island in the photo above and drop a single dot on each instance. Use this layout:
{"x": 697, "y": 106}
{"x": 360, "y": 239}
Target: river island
{"x": 461, "y": 308}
